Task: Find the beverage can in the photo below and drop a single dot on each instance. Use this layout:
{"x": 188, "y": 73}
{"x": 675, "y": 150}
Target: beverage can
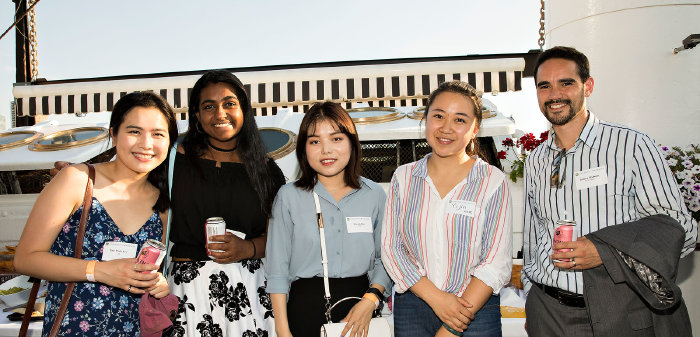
{"x": 214, "y": 226}
{"x": 152, "y": 252}
{"x": 565, "y": 232}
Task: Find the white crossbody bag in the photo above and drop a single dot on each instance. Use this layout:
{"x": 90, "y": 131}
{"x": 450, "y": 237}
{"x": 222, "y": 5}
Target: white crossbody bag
{"x": 378, "y": 327}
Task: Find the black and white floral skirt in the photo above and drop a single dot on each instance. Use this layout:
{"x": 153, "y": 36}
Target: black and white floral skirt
{"x": 221, "y": 299}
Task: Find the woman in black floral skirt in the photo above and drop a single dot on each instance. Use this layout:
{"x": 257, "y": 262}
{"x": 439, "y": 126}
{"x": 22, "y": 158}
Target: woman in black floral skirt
{"x": 221, "y": 170}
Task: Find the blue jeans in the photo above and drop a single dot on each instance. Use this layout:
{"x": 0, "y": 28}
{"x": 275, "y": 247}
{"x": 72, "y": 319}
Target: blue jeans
{"x": 414, "y": 318}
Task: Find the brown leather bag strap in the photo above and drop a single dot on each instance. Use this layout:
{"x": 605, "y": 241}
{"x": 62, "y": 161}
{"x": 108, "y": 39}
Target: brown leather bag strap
{"x": 87, "y": 204}
{"x": 30, "y": 304}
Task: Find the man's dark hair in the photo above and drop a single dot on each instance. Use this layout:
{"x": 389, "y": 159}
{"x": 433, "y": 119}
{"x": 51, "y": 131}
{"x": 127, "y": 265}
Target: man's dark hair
{"x": 567, "y": 53}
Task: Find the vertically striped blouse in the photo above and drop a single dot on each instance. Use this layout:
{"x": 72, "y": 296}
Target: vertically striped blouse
{"x": 448, "y": 240}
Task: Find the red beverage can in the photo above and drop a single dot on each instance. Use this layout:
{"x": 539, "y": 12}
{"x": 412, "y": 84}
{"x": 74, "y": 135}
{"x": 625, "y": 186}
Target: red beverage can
{"x": 565, "y": 232}
{"x": 152, "y": 252}
{"x": 214, "y": 226}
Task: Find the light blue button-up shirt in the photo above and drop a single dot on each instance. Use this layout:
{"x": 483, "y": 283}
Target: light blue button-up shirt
{"x": 293, "y": 243}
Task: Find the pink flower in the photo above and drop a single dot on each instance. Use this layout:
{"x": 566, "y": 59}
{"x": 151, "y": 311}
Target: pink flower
{"x": 104, "y": 290}
{"x": 84, "y": 325}
{"x": 78, "y": 306}
{"x": 66, "y": 228}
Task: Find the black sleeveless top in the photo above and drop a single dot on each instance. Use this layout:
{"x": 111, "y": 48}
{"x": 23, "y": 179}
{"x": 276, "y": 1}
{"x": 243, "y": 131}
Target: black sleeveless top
{"x": 224, "y": 191}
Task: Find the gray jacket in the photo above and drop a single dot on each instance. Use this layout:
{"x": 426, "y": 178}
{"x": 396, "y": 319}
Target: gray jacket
{"x": 620, "y": 302}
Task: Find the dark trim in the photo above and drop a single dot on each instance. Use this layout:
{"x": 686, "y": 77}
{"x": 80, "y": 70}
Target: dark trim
{"x": 275, "y": 93}
{"x": 529, "y": 57}
{"x": 45, "y": 105}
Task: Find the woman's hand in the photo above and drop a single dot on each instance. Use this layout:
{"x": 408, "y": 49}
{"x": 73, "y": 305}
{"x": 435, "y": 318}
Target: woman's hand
{"x": 452, "y": 310}
{"x": 233, "y": 248}
{"x": 161, "y": 289}
{"x": 126, "y": 274}
{"x": 358, "y": 318}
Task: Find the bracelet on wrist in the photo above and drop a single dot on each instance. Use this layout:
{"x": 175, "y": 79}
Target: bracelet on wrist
{"x": 255, "y": 251}
{"x": 90, "y": 270}
{"x": 450, "y": 330}
{"x": 375, "y": 292}
{"x": 373, "y": 298}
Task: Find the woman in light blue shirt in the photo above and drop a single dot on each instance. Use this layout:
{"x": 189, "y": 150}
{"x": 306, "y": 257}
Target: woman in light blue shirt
{"x": 328, "y": 150}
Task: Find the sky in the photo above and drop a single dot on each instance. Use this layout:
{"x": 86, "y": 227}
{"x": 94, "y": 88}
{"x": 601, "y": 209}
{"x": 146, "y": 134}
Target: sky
{"x": 78, "y": 39}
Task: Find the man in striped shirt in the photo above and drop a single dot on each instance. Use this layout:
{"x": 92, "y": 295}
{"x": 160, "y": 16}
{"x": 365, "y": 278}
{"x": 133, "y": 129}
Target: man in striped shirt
{"x": 595, "y": 173}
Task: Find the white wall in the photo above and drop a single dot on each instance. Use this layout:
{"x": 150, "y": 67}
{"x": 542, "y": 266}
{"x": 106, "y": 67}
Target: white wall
{"x": 639, "y": 82}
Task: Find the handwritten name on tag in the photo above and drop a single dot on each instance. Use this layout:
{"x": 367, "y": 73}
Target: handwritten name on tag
{"x": 589, "y": 178}
{"x": 113, "y": 250}
{"x": 462, "y": 207}
{"x": 359, "y": 224}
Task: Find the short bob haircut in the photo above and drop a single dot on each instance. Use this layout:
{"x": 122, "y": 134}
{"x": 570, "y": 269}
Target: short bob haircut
{"x": 158, "y": 177}
{"x": 466, "y": 90}
{"x": 567, "y": 53}
{"x": 340, "y": 118}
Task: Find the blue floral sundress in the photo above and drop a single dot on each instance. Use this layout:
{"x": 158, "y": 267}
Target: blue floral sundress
{"x": 96, "y": 309}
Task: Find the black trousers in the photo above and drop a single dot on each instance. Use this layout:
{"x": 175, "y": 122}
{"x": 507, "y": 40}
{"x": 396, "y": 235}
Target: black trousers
{"x": 306, "y": 307}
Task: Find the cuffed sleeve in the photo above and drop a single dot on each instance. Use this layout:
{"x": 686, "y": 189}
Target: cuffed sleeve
{"x": 497, "y": 247}
{"x": 398, "y": 263}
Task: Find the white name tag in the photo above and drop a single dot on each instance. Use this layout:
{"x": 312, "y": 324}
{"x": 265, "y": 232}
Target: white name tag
{"x": 462, "y": 207}
{"x": 359, "y": 224}
{"x": 592, "y": 177}
{"x": 113, "y": 250}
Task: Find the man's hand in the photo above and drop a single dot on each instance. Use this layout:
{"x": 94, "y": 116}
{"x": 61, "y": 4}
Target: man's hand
{"x": 584, "y": 254}
{"x": 57, "y": 166}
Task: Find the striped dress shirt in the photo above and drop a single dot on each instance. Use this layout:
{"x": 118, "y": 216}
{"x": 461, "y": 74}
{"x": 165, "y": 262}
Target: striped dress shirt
{"x": 635, "y": 182}
{"x": 448, "y": 240}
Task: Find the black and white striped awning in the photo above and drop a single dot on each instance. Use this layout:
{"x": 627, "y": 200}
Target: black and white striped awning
{"x": 394, "y": 82}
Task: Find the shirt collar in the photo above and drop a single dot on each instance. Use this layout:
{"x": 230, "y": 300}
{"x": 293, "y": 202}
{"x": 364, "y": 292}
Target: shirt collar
{"x": 421, "y": 169}
{"x": 323, "y": 192}
{"x": 588, "y": 135}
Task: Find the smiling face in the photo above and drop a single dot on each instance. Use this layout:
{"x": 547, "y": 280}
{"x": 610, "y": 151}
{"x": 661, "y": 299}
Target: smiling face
{"x": 560, "y": 92}
{"x": 220, "y": 114}
{"x": 327, "y": 150}
{"x": 450, "y": 125}
{"x": 142, "y": 140}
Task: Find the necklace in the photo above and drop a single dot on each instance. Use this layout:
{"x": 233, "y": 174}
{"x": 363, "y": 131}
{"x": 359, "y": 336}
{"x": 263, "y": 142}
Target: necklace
{"x": 220, "y": 149}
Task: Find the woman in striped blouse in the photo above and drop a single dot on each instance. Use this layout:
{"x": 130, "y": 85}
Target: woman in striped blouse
{"x": 446, "y": 237}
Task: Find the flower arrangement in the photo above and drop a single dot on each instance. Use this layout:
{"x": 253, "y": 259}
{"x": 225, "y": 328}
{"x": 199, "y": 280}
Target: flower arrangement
{"x": 685, "y": 165}
{"x": 520, "y": 149}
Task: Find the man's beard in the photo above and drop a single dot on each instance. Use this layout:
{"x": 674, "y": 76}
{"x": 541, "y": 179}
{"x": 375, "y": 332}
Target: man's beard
{"x": 561, "y": 120}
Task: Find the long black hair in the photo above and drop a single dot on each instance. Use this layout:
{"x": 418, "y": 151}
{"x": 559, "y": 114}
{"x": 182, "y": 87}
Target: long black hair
{"x": 158, "y": 177}
{"x": 251, "y": 149}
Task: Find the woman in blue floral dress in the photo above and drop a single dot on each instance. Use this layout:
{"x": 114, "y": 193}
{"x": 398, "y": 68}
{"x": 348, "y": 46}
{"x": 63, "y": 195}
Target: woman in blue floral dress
{"x": 129, "y": 205}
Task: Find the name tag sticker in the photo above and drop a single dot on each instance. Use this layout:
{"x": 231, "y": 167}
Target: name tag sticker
{"x": 462, "y": 207}
{"x": 113, "y": 250}
{"x": 359, "y": 224}
{"x": 592, "y": 177}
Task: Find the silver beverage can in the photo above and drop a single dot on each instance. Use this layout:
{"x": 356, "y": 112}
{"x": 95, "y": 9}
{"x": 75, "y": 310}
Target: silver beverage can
{"x": 214, "y": 226}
